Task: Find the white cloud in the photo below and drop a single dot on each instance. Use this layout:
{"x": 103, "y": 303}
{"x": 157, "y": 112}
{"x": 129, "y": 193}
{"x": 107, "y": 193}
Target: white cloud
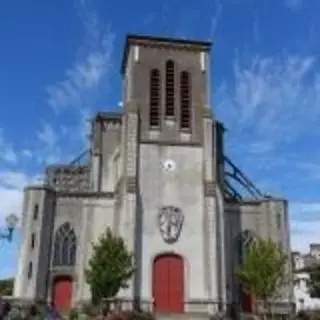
{"x": 9, "y": 156}
{"x": 303, "y": 233}
{"x": 26, "y": 153}
{"x": 47, "y": 135}
{"x": 305, "y": 208}
{"x": 293, "y": 4}
{"x": 90, "y": 67}
{"x": 11, "y": 192}
{"x": 267, "y": 106}
{"x": 311, "y": 169}
{"x": 81, "y": 86}
{"x": 7, "y": 153}
{"x": 216, "y": 18}
{"x": 271, "y": 98}
{"x": 305, "y": 224}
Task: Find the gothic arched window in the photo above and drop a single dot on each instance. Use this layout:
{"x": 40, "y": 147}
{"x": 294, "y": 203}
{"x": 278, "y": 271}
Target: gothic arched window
{"x": 65, "y": 246}
{"x": 185, "y": 98}
{"x": 245, "y": 240}
{"x": 154, "y": 98}
{"x": 170, "y": 88}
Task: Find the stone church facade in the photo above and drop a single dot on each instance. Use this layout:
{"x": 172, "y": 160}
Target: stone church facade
{"x": 156, "y": 174}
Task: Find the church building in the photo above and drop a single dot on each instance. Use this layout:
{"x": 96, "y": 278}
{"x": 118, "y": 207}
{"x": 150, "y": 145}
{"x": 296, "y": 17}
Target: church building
{"x": 156, "y": 173}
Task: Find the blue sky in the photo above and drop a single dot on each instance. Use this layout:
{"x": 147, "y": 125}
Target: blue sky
{"x": 59, "y": 63}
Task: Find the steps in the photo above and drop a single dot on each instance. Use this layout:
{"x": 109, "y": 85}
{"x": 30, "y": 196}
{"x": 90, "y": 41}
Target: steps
{"x": 184, "y": 316}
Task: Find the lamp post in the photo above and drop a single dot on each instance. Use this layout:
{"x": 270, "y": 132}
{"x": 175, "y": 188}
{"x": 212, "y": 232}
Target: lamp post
{"x": 11, "y": 222}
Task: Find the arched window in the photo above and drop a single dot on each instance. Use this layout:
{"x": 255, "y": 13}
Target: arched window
{"x": 154, "y": 98}
{"x": 170, "y": 88}
{"x": 65, "y": 246}
{"x": 245, "y": 240}
{"x": 185, "y": 98}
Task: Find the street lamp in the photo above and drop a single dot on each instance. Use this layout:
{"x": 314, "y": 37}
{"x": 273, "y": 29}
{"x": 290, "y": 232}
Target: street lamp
{"x": 11, "y": 222}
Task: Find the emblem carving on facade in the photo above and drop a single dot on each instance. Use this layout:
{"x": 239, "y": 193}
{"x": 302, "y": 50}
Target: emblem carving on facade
{"x": 170, "y": 221}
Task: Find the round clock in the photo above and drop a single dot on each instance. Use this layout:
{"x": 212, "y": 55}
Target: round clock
{"x": 169, "y": 165}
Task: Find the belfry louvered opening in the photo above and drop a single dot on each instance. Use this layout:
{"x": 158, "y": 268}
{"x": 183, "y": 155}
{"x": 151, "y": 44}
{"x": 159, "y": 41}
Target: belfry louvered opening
{"x": 185, "y": 98}
{"x": 154, "y": 98}
{"x": 170, "y": 88}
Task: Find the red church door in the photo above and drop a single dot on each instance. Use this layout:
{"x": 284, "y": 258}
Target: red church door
{"x": 168, "y": 284}
{"x": 247, "y": 303}
{"x": 62, "y": 293}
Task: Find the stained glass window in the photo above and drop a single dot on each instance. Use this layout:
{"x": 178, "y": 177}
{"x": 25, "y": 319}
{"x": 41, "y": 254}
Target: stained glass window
{"x": 65, "y": 246}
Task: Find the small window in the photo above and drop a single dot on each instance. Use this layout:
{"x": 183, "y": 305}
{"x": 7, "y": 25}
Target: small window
{"x": 33, "y": 240}
{"x": 35, "y": 212}
{"x": 30, "y": 270}
{"x": 279, "y": 221}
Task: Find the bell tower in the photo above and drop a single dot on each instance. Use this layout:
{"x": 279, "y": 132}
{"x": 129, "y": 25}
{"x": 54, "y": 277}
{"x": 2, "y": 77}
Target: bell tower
{"x": 169, "y": 158}
{"x": 167, "y": 79}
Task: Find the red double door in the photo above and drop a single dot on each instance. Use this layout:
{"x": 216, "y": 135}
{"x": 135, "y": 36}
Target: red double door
{"x": 62, "y": 293}
{"x": 168, "y": 284}
{"x": 247, "y": 302}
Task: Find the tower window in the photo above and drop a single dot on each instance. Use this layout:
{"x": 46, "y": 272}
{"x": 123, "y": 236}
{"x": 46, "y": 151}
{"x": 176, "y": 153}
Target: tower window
{"x": 185, "y": 97}
{"x": 33, "y": 240}
{"x": 35, "y": 212}
{"x": 170, "y": 88}
{"x": 154, "y": 98}
{"x": 30, "y": 270}
{"x": 279, "y": 221}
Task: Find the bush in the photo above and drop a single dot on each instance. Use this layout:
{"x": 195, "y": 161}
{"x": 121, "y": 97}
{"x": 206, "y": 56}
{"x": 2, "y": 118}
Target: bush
{"x": 302, "y": 315}
{"x": 16, "y": 313}
{"x": 138, "y": 315}
{"x": 73, "y": 314}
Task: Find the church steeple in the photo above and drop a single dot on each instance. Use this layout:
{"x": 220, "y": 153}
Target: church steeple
{"x": 167, "y": 80}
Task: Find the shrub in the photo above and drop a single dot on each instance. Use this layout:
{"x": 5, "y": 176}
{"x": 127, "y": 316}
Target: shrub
{"x": 73, "y": 314}
{"x": 16, "y": 313}
{"x": 138, "y": 315}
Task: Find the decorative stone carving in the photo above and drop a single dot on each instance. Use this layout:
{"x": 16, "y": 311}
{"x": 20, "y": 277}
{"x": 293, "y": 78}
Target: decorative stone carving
{"x": 111, "y": 124}
{"x": 69, "y": 178}
{"x": 170, "y": 221}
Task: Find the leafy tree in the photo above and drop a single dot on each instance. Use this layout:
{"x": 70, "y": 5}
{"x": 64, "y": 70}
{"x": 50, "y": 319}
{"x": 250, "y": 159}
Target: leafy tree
{"x": 6, "y": 287}
{"x": 314, "y": 281}
{"x": 110, "y": 267}
{"x": 263, "y": 270}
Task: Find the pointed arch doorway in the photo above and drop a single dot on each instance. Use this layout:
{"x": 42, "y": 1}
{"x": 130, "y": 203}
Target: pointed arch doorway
{"x": 64, "y": 256}
{"x": 168, "y": 283}
{"x": 62, "y": 293}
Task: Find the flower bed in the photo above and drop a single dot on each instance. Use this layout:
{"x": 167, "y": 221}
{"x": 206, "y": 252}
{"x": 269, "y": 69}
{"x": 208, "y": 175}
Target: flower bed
{"x": 40, "y": 311}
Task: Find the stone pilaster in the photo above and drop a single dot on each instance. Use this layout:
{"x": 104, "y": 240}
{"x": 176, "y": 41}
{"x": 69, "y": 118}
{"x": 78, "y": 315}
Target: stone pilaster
{"x": 82, "y": 254}
{"x": 128, "y": 224}
{"x": 211, "y": 230}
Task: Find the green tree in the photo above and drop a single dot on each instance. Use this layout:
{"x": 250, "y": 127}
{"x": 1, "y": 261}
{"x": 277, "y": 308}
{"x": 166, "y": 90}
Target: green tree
{"x": 262, "y": 271}
{"x": 110, "y": 267}
{"x": 314, "y": 281}
{"x": 6, "y": 287}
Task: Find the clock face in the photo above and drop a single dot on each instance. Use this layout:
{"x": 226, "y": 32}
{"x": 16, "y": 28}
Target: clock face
{"x": 169, "y": 165}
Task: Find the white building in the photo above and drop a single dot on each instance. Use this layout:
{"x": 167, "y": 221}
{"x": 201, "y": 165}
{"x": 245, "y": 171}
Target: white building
{"x": 302, "y": 297}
